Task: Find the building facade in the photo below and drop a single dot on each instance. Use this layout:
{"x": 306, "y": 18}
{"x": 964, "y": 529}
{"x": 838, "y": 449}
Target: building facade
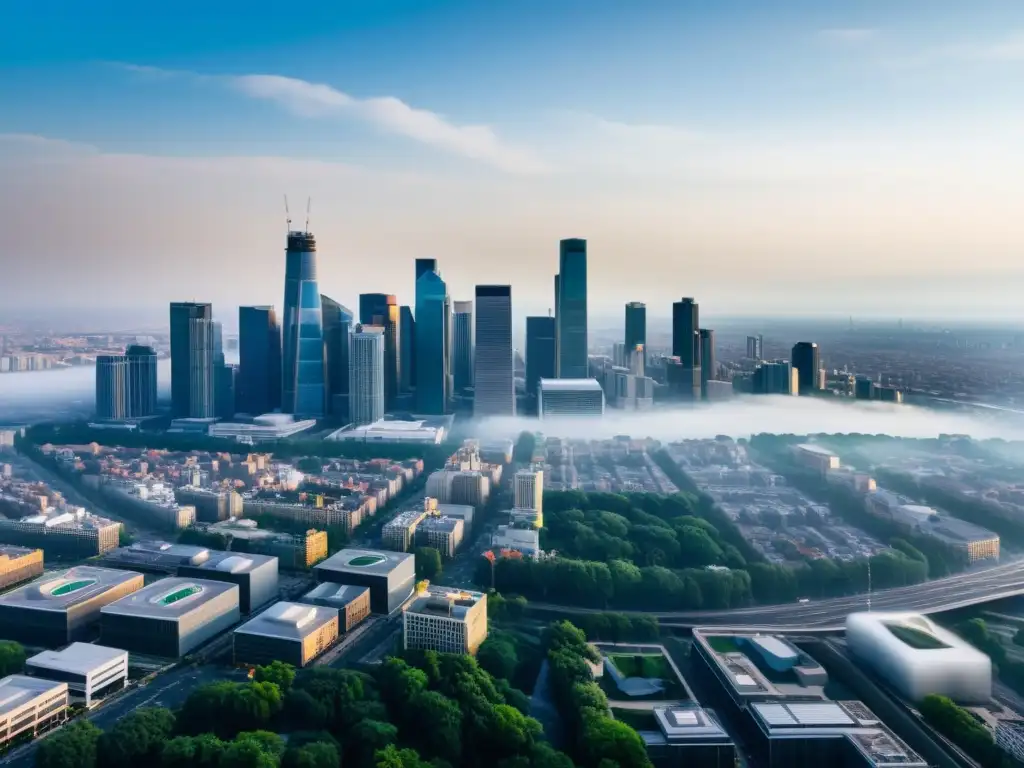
{"x": 806, "y": 361}
{"x": 29, "y": 705}
{"x": 111, "y": 387}
{"x": 708, "y": 363}
{"x": 302, "y": 389}
{"x": 294, "y": 633}
{"x": 541, "y": 361}
{"x": 445, "y": 620}
{"x": 494, "y": 380}
{"x": 686, "y": 347}
{"x": 87, "y": 669}
{"x": 636, "y": 325}
{"x": 570, "y": 397}
{"x": 366, "y": 375}
{"x": 433, "y": 326}
{"x": 338, "y": 324}
{"x": 381, "y": 309}
{"x": 571, "y": 309}
{"x": 407, "y": 363}
{"x": 192, "y": 360}
{"x": 259, "y": 361}
{"x": 462, "y": 345}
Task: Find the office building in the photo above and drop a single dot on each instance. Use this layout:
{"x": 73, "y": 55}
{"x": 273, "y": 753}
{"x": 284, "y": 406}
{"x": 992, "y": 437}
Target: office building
{"x": 142, "y": 381}
{"x": 366, "y": 375}
{"x": 211, "y": 505}
{"x": 338, "y": 323}
{"x": 87, "y": 669}
{"x": 540, "y": 353}
{"x": 407, "y": 354}
{"x": 399, "y": 533}
{"x": 30, "y": 705}
{"x": 352, "y": 603}
{"x": 433, "y": 372}
{"x": 708, "y": 363}
{"x": 687, "y": 735}
{"x": 821, "y": 460}
{"x": 259, "y": 361}
{"x": 570, "y": 397}
{"x": 268, "y": 427}
{"x": 302, "y": 389}
{"x": 462, "y": 345}
{"x": 156, "y": 556}
{"x": 518, "y": 539}
{"x": 255, "y": 575}
{"x": 18, "y": 564}
{"x": 571, "y": 309}
{"x": 381, "y": 309}
{"x": 918, "y": 657}
{"x": 390, "y": 576}
{"x": 72, "y": 533}
{"x": 294, "y": 633}
{"x": 528, "y": 491}
{"x": 170, "y": 617}
{"x": 445, "y": 620}
{"x": 431, "y": 430}
{"x": 806, "y": 361}
{"x": 442, "y": 533}
{"x": 755, "y": 347}
{"x": 111, "y": 387}
{"x": 223, "y": 377}
{"x": 151, "y": 502}
{"x": 775, "y": 377}
{"x": 636, "y": 325}
{"x": 192, "y": 360}
{"x": 294, "y": 551}
{"x": 864, "y": 388}
{"x": 686, "y": 347}
{"x": 459, "y": 486}
{"x": 59, "y": 608}
{"x": 494, "y": 382}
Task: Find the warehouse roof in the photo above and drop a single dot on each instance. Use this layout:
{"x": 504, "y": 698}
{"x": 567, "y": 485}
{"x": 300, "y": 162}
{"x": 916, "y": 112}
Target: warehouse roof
{"x": 77, "y": 658}
{"x": 289, "y": 621}
{"x": 336, "y": 595}
{"x": 18, "y": 690}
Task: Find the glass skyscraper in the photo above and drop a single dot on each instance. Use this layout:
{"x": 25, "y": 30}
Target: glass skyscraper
{"x": 193, "y": 346}
{"x": 686, "y": 346}
{"x": 111, "y": 387}
{"x": 407, "y": 348}
{"x": 708, "y": 364}
{"x": 462, "y": 346}
{"x": 366, "y": 375}
{"x": 495, "y": 389}
{"x": 382, "y": 309}
{"x": 302, "y": 390}
{"x": 432, "y": 339}
{"x": 571, "y": 310}
{"x": 807, "y": 361}
{"x": 259, "y": 361}
{"x": 540, "y": 353}
{"x": 636, "y": 326}
{"x": 141, "y": 381}
{"x": 338, "y": 322}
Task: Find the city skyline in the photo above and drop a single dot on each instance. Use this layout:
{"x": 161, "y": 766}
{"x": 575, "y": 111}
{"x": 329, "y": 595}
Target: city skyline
{"x": 830, "y": 149}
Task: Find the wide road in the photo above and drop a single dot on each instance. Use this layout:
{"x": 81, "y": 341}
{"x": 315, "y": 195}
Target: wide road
{"x": 972, "y": 588}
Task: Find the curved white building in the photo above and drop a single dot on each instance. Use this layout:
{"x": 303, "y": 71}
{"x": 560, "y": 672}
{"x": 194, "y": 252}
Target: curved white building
{"x": 918, "y": 657}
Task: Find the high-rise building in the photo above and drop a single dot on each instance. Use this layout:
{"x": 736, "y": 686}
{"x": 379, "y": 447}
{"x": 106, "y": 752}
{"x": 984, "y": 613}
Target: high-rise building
{"x": 571, "y": 311}
{"x": 708, "y": 364}
{"x": 636, "y": 325}
{"x": 755, "y": 347}
{"x": 112, "y": 387}
{"x": 141, "y": 381}
{"x": 686, "y": 346}
{"x": 193, "y": 346}
{"x": 807, "y": 362}
{"x": 407, "y": 344}
{"x": 462, "y": 351}
{"x": 432, "y": 339}
{"x": 338, "y": 320}
{"x": 495, "y": 390}
{"x": 540, "y": 352}
{"x": 259, "y": 361}
{"x": 223, "y": 377}
{"x": 775, "y": 377}
{"x": 382, "y": 309}
{"x": 528, "y": 497}
{"x": 558, "y": 290}
{"x": 570, "y": 397}
{"x": 366, "y": 375}
{"x": 302, "y": 390}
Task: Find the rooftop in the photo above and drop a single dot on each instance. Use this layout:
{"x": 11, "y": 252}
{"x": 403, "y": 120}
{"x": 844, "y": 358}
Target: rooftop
{"x": 378, "y": 562}
{"x": 570, "y": 385}
{"x": 159, "y": 553}
{"x": 229, "y": 562}
{"x": 289, "y": 621}
{"x": 61, "y": 591}
{"x": 811, "y": 448}
{"x": 18, "y": 690}
{"x": 442, "y": 601}
{"x": 337, "y": 595}
{"x": 678, "y": 723}
{"x": 170, "y": 598}
{"x": 77, "y": 658}
{"x": 13, "y": 552}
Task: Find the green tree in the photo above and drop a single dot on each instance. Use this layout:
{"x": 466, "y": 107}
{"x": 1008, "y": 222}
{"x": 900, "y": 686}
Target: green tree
{"x": 497, "y": 656}
{"x": 319, "y": 754}
{"x": 277, "y": 672}
{"x": 73, "y": 746}
{"x": 393, "y": 757}
{"x": 428, "y": 563}
{"x": 438, "y": 726}
{"x": 124, "y": 539}
{"x": 203, "y": 751}
{"x": 310, "y": 465}
{"x": 366, "y": 740}
{"x": 247, "y": 753}
{"x": 136, "y": 739}
{"x": 228, "y": 708}
{"x": 12, "y": 658}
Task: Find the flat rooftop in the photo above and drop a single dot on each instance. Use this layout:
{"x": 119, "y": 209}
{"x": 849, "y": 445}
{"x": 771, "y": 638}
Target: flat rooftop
{"x": 18, "y": 690}
{"x": 374, "y": 562}
{"x": 77, "y": 658}
{"x": 13, "y": 552}
{"x": 336, "y": 595}
{"x": 817, "y": 449}
{"x": 170, "y": 598}
{"x": 62, "y": 591}
{"x": 570, "y": 385}
{"x": 158, "y": 554}
{"x": 233, "y": 562}
{"x": 439, "y": 601}
{"x": 289, "y": 621}
{"x": 685, "y": 723}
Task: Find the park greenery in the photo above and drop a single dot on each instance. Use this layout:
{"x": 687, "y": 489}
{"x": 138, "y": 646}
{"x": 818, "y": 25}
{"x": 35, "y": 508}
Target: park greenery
{"x": 428, "y": 563}
{"x": 12, "y": 658}
{"x": 425, "y": 710}
{"x": 976, "y": 632}
{"x": 963, "y": 729}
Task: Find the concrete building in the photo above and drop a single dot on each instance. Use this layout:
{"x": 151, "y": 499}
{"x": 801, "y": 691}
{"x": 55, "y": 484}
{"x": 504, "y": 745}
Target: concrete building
{"x": 71, "y": 533}
{"x": 570, "y": 397}
{"x": 29, "y": 705}
{"x": 151, "y": 502}
{"x": 442, "y": 533}
{"x": 918, "y": 657}
{"x": 170, "y": 617}
{"x": 418, "y": 431}
{"x": 688, "y": 735}
{"x": 391, "y": 576}
{"x": 528, "y": 492}
{"x": 211, "y": 505}
{"x": 456, "y": 486}
{"x": 58, "y": 609}
{"x": 494, "y": 391}
{"x": 525, "y": 540}
{"x": 462, "y": 345}
{"x": 366, "y": 388}
{"x": 18, "y": 564}
{"x": 294, "y": 551}
{"x": 815, "y": 457}
{"x": 264, "y": 428}
{"x": 156, "y": 556}
{"x": 255, "y": 575}
{"x": 975, "y": 542}
{"x": 294, "y": 633}
{"x": 87, "y": 669}
{"x": 399, "y": 533}
{"x": 352, "y": 603}
{"x": 445, "y": 620}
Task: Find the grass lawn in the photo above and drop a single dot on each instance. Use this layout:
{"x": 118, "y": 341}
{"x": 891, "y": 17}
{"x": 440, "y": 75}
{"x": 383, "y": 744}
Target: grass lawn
{"x": 637, "y": 719}
{"x": 915, "y": 638}
{"x": 642, "y": 665}
{"x": 723, "y": 644}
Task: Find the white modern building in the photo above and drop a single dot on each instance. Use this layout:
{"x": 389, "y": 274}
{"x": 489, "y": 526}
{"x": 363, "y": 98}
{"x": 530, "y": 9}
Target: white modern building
{"x": 417, "y": 432}
{"x": 528, "y": 489}
{"x": 570, "y": 397}
{"x": 525, "y": 540}
{"x": 445, "y": 620}
{"x": 86, "y": 668}
{"x": 265, "y": 428}
{"x": 30, "y": 705}
{"x": 494, "y": 391}
{"x": 918, "y": 657}
{"x": 366, "y": 375}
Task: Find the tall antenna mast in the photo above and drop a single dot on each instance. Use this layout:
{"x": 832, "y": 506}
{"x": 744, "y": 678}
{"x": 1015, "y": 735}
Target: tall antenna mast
{"x": 309, "y": 201}
{"x": 287, "y": 215}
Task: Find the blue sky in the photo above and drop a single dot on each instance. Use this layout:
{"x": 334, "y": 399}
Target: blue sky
{"x": 703, "y": 148}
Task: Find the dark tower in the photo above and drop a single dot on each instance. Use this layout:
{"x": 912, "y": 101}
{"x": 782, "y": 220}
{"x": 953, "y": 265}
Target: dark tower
{"x": 807, "y": 361}
{"x": 686, "y": 346}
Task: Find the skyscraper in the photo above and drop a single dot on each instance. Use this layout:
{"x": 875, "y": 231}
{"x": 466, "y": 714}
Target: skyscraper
{"x": 807, "y": 362}
{"x": 382, "y": 309}
{"x": 755, "y": 347}
{"x": 192, "y": 360}
{"x": 686, "y": 346}
{"x": 495, "y": 389}
{"x": 462, "y": 346}
{"x": 558, "y": 290}
{"x": 407, "y": 345}
{"x": 223, "y": 377}
{"x": 111, "y": 387}
{"x": 636, "y": 325}
{"x": 302, "y": 389}
{"x": 141, "y": 381}
{"x": 776, "y": 377}
{"x": 708, "y": 364}
{"x": 571, "y": 310}
{"x": 432, "y": 339}
{"x": 540, "y": 353}
{"x": 259, "y": 361}
{"x": 338, "y": 321}
{"x": 366, "y": 375}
